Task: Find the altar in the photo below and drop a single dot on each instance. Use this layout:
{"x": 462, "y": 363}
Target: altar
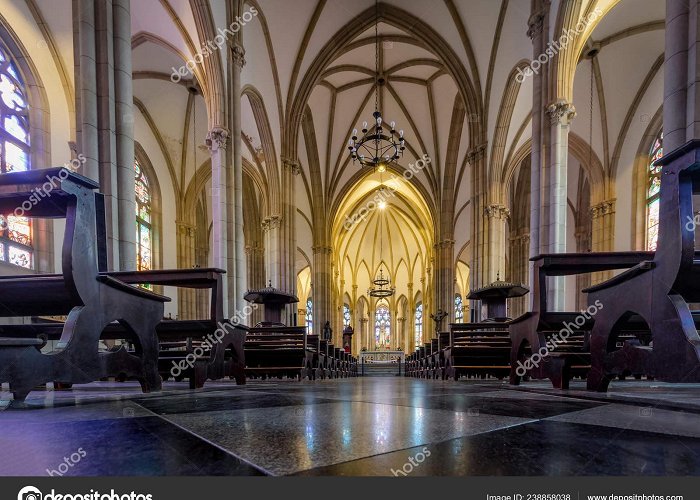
{"x": 382, "y": 356}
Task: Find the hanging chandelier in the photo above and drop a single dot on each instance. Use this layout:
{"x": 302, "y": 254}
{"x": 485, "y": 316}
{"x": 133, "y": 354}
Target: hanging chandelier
{"x": 382, "y": 285}
{"x": 378, "y": 145}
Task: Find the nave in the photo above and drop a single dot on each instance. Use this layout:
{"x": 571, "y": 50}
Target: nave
{"x": 371, "y": 426}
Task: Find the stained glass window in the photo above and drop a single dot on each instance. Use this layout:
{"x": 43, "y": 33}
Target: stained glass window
{"x": 382, "y": 327}
{"x": 653, "y": 192}
{"x": 15, "y": 232}
{"x": 144, "y": 230}
{"x": 459, "y": 313}
{"x": 346, "y": 315}
{"x": 419, "y": 324}
{"x": 309, "y": 316}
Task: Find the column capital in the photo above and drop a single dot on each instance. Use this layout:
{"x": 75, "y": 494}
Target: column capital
{"x": 185, "y": 228}
{"x": 497, "y": 211}
{"x": 561, "y": 112}
{"x": 217, "y": 138}
{"x": 444, "y": 243}
{"x": 535, "y": 24}
{"x": 322, "y": 249}
{"x": 238, "y": 53}
{"x": 290, "y": 164}
{"x": 603, "y": 208}
{"x": 271, "y": 222}
{"x": 476, "y": 153}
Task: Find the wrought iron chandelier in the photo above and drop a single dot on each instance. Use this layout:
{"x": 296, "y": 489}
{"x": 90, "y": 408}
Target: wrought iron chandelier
{"x": 378, "y": 146}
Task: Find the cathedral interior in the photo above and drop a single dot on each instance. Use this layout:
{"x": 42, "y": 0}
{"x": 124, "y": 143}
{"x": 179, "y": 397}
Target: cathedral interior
{"x": 322, "y": 237}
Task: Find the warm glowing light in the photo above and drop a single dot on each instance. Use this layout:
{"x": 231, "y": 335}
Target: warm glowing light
{"x": 382, "y": 205}
{"x": 381, "y": 167}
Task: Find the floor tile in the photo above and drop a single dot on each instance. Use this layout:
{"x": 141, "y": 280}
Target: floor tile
{"x": 537, "y": 449}
{"x": 146, "y": 446}
{"x": 641, "y": 418}
{"x": 283, "y": 441}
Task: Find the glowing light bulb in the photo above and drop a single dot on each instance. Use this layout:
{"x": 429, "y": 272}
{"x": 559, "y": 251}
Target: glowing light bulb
{"x": 381, "y": 168}
{"x": 382, "y": 205}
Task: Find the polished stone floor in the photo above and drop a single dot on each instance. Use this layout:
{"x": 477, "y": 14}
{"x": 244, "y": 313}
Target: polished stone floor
{"x": 366, "y": 426}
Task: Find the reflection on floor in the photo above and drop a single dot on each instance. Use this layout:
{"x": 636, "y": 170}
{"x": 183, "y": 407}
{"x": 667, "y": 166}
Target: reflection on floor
{"x": 367, "y": 426}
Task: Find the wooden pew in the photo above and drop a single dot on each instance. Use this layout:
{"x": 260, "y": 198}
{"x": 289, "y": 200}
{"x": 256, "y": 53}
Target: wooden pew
{"x": 220, "y": 341}
{"x": 658, "y": 290}
{"x": 543, "y": 331}
{"x": 280, "y": 351}
{"x": 477, "y": 350}
{"x": 90, "y": 300}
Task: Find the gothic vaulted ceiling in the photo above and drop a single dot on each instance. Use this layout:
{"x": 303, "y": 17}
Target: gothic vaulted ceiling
{"x": 450, "y": 69}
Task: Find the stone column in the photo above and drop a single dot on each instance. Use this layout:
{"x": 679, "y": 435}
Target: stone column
{"x": 602, "y": 233}
{"x": 560, "y": 113}
{"x": 217, "y": 141}
{"x": 124, "y": 99}
{"x": 583, "y": 244}
{"x": 186, "y": 253}
{"x": 322, "y": 280}
{"x": 290, "y": 169}
{"x": 363, "y": 333}
{"x": 410, "y": 339}
{"x": 519, "y": 270}
{"x": 85, "y": 59}
{"x": 497, "y": 215}
{"x": 444, "y": 276}
{"x": 536, "y": 33}
{"x": 400, "y": 332}
{"x": 677, "y": 59}
{"x": 425, "y": 293}
{"x": 476, "y": 158}
{"x": 256, "y": 279}
{"x": 271, "y": 227}
{"x": 235, "y": 242}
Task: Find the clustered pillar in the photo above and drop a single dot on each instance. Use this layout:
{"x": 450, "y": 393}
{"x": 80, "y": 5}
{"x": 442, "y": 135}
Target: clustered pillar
{"x": 104, "y": 129}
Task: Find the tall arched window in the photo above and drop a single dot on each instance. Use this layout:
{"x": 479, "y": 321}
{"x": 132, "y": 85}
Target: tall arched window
{"x": 144, "y": 229}
{"x": 459, "y": 313}
{"x": 346, "y": 315}
{"x": 419, "y": 324}
{"x": 653, "y": 192}
{"x": 382, "y": 327}
{"x": 16, "y": 232}
{"x": 309, "y": 317}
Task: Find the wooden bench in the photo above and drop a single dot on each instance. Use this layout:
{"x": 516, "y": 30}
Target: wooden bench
{"x": 219, "y": 342}
{"x": 477, "y": 350}
{"x": 90, "y": 300}
{"x": 280, "y": 351}
{"x": 551, "y": 344}
{"x": 659, "y": 290}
